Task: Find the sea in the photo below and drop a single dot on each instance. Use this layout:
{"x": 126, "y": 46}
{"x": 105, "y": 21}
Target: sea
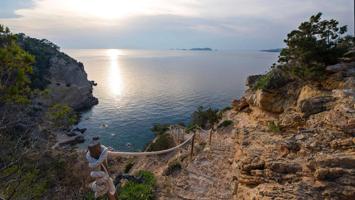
{"x": 138, "y": 88}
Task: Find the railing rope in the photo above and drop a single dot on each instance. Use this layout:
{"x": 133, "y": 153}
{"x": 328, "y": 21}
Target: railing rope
{"x": 173, "y": 129}
{"x": 119, "y": 153}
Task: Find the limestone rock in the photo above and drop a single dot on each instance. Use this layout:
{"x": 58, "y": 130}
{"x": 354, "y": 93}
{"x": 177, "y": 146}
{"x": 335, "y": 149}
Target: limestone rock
{"x": 315, "y": 105}
{"x": 309, "y": 91}
{"x": 291, "y": 119}
{"x": 63, "y": 76}
{"x": 268, "y": 101}
{"x": 239, "y": 105}
{"x": 336, "y": 68}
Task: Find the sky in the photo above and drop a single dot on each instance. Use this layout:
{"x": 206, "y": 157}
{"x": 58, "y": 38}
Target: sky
{"x": 166, "y": 24}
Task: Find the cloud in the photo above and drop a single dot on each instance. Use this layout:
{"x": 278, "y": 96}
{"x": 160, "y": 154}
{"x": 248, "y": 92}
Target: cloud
{"x": 171, "y": 24}
{"x": 8, "y": 7}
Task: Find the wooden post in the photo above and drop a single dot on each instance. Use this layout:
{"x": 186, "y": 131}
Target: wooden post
{"x": 192, "y": 146}
{"x": 210, "y": 141}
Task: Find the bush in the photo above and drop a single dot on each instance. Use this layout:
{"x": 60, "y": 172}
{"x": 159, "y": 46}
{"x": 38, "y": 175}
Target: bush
{"x": 225, "y": 123}
{"x": 139, "y": 191}
{"x": 204, "y": 118}
{"x": 15, "y": 70}
{"x": 274, "y": 79}
{"x": 160, "y": 129}
{"x": 314, "y": 45}
{"x": 315, "y": 72}
{"x": 274, "y": 127}
{"x": 162, "y": 142}
{"x": 172, "y": 168}
{"x": 43, "y": 50}
{"x": 62, "y": 116}
{"x": 191, "y": 128}
{"x": 226, "y": 109}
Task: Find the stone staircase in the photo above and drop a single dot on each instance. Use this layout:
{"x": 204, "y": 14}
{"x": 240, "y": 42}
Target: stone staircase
{"x": 209, "y": 176}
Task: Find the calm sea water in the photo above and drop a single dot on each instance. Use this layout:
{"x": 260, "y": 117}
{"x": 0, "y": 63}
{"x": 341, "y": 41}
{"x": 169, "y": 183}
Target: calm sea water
{"x": 137, "y": 88}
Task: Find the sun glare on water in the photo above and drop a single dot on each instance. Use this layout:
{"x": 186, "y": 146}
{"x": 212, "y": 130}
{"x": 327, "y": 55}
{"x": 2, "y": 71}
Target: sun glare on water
{"x": 115, "y": 75}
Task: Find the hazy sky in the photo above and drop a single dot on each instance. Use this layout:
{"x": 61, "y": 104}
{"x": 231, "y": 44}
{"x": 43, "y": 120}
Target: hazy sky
{"x": 164, "y": 24}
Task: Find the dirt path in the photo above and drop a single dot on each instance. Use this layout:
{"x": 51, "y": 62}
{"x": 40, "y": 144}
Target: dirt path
{"x": 209, "y": 175}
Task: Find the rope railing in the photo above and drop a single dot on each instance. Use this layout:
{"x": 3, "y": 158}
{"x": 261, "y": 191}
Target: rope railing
{"x": 119, "y": 153}
{"x": 165, "y": 151}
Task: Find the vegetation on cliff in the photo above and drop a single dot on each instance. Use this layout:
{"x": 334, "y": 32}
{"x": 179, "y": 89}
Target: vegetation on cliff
{"x": 204, "y": 118}
{"x": 314, "y": 45}
{"x": 29, "y": 167}
{"x": 139, "y": 191}
{"x": 16, "y": 67}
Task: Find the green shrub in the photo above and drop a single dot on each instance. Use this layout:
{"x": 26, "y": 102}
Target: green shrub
{"x": 314, "y": 45}
{"x": 15, "y": 70}
{"x": 160, "y": 129}
{"x": 205, "y": 118}
{"x": 62, "y": 115}
{"x": 225, "y": 123}
{"x": 274, "y": 79}
{"x": 164, "y": 141}
{"x": 315, "y": 72}
{"x": 191, "y": 128}
{"x": 172, "y": 167}
{"x": 139, "y": 191}
{"x": 274, "y": 127}
{"x": 226, "y": 109}
{"x": 43, "y": 50}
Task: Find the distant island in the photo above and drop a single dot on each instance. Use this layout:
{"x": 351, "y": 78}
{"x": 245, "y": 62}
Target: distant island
{"x": 272, "y": 50}
{"x": 201, "y": 49}
{"x": 196, "y": 49}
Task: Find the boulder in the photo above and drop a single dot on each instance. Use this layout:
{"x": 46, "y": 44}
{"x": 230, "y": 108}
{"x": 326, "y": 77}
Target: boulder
{"x": 71, "y": 133}
{"x": 265, "y": 100}
{"x": 315, "y": 105}
{"x": 309, "y": 91}
{"x": 239, "y": 105}
{"x": 347, "y": 67}
{"x": 336, "y": 68}
{"x": 72, "y": 140}
{"x": 81, "y": 130}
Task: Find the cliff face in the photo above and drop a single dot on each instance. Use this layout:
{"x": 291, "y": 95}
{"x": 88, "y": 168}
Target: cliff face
{"x": 63, "y": 76}
{"x": 68, "y": 83}
{"x": 297, "y": 141}
{"x": 293, "y": 141}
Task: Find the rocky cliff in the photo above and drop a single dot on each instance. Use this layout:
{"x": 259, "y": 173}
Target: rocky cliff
{"x": 63, "y": 76}
{"x": 297, "y": 141}
{"x": 294, "y": 140}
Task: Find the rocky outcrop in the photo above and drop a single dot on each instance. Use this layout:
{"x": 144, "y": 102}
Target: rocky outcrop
{"x": 239, "y": 105}
{"x": 315, "y": 105}
{"x": 69, "y": 84}
{"x": 64, "y": 78}
{"x": 274, "y": 101}
{"x": 313, "y": 156}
